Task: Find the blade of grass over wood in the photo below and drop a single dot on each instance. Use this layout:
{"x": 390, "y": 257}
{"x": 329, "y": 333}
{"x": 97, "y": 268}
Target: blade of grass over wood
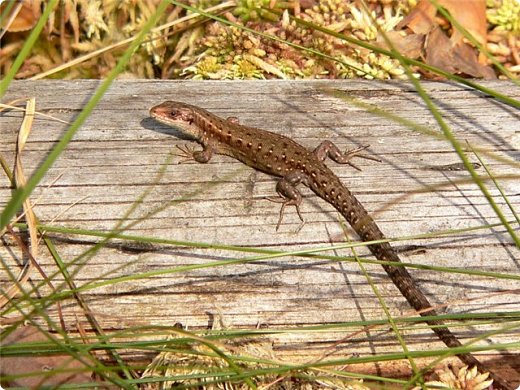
{"x": 269, "y": 255}
{"x": 83, "y": 304}
{"x": 266, "y": 255}
{"x": 197, "y": 244}
{"x": 26, "y": 49}
{"x": 311, "y": 253}
{"x": 226, "y": 262}
{"x": 468, "y": 318}
{"x": 496, "y": 183}
{"x": 227, "y": 334}
{"x": 20, "y": 194}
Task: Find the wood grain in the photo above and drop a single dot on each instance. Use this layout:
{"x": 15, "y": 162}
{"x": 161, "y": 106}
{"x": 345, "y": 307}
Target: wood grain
{"x": 117, "y": 155}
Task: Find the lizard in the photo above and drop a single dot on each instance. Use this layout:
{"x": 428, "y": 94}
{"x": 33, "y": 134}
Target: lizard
{"x": 281, "y": 156}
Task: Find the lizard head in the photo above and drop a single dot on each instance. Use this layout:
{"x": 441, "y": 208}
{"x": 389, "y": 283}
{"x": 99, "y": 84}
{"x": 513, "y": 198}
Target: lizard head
{"x": 179, "y": 115}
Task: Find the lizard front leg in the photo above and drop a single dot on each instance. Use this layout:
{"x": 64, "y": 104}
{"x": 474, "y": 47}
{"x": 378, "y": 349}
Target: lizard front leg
{"x": 188, "y": 153}
{"x": 328, "y": 149}
{"x": 289, "y": 194}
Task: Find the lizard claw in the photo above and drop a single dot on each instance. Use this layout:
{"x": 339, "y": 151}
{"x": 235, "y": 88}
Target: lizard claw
{"x": 186, "y": 153}
{"x": 357, "y": 153}
{"x": 354, "y": 166}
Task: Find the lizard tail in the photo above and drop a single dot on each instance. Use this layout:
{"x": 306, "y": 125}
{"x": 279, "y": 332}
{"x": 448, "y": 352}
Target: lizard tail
{"x": 367, "y": 229}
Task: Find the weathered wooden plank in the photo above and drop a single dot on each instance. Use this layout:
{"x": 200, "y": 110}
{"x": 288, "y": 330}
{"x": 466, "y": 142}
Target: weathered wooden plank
{"x": 118, "y": 152}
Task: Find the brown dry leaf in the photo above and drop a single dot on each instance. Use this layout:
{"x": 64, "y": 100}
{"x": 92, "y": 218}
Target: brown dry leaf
{"x": 408, "y": 45}
{"x": 466, "y": 59}
{"x": 470, "y": 14}
{"x": 421, "y": 19}
{"x": 454, "y": 58}
{"x": 451, "y": 54}
{"x": 438, "y": 51}
{"x": 22, "y": 16}
{"x": 20, "y": 365}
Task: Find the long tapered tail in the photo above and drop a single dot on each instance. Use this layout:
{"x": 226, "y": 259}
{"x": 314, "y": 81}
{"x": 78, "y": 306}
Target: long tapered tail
{"x": 367, "y": 229}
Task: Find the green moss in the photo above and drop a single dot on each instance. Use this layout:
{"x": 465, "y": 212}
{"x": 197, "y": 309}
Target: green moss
{"x": 505, "y": 14}
{"x": 248, "y": 10}
{"x": 243, "y": 69}
{"x": 208, "y": 68}
{"x": 230, "y": 52}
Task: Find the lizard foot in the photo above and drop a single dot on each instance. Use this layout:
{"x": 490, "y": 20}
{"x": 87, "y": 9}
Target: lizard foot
{"x": 350, "y": 154}
{"x": 287, "y": 202}
{"x": 186, "y": 152}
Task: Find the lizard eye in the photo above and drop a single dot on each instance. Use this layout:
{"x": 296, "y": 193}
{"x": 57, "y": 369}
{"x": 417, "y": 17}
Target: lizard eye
{"x": 174, "y": 113}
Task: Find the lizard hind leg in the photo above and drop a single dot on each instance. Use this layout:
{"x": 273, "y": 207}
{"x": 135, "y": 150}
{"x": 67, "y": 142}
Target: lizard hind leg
{"x": 328, "y": 149}
{"x": 288, "y": 195}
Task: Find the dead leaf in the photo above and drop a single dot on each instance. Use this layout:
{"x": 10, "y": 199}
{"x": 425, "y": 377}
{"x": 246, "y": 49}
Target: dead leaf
{"x": 470, "y": 14}
{"x": 22, "y": 16}
{"x": 408, "y": 45}
{"x": 421, "y": 19}
{"x": 457, "y": 58}
{"x": 466, "y": 60}
{"x": 451, "y": 54}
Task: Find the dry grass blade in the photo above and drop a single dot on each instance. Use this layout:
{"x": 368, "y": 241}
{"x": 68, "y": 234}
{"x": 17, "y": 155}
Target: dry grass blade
{"x": 19, "y": 176}
{"x": 20, "y": 180}
{"x": 31, "y": 251}
{"x": 10, "y": 106}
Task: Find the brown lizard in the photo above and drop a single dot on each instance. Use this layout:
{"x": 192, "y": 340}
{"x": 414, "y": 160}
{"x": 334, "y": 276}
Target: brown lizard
{"x": 281, "y": 156}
